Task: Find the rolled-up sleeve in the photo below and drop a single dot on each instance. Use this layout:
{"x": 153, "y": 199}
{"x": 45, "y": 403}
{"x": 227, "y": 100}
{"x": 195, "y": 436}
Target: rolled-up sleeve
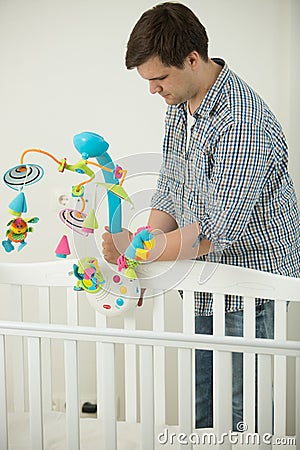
{"x": 241, "y": 165}
{"x": 162, "y": 199}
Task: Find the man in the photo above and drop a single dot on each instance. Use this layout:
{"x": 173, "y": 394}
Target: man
{"x": 224, "y": 192}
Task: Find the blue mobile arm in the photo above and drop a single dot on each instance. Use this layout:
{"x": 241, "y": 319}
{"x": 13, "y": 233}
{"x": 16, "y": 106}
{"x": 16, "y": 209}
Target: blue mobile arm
{"x": 92, "y": 145}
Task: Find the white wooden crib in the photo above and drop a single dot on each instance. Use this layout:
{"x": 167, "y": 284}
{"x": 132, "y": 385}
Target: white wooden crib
{"x": 155, "y": 364}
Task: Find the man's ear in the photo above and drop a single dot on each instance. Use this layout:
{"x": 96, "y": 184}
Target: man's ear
{"x": 193, "y": 59}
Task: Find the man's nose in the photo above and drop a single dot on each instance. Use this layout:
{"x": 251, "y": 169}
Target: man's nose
{"x": 154, "y": 87}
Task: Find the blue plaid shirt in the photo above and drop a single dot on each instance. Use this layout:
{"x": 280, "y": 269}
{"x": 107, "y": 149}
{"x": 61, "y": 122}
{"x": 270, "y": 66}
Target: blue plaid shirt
{"x": 232, "y": 177}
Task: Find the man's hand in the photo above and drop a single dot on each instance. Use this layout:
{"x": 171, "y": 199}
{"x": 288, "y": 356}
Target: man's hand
{"x": 114, "y": 245}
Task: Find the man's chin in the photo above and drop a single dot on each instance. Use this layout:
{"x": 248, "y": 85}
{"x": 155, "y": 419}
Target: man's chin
{"x": 170, "y": 100}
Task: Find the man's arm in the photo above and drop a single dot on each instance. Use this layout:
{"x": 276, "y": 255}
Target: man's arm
{"x": 179, "y": 244}
{"x": 161, "y": 220}
{"x": 172, "y": 243}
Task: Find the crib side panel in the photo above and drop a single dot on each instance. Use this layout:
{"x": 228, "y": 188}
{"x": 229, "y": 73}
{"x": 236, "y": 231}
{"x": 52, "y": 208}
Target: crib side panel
{"x": 145, "y": 372}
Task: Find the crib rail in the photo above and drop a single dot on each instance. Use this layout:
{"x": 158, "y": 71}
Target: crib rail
{"x": 163, "y": 276}
{"x": 145, "y": 371}
{"x": 149, "y": 338}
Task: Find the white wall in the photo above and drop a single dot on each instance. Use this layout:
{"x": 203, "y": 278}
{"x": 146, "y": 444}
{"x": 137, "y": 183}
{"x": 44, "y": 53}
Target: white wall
{"x": 62, "y": 72}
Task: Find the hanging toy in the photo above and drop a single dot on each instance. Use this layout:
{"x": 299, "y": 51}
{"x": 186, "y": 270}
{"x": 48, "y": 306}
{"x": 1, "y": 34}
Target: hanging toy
{"x": 90, "y": 223}
{"x": 18, "y": 227}
{"x": 90, "y": 278}
{"x": 136, "y": 252}
{"x": 63, "y": 248}
{"x": 18, "y": 205}
{"x": 73, "y": 219}
{"x": 17, "y": 233}
{"x": 17, "y": 178}
{"x": 23, "y": 175}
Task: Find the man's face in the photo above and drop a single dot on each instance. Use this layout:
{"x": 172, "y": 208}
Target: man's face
{"x": 173, "y": 84}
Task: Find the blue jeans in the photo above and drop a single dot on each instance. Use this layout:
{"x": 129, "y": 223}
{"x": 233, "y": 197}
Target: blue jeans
{"x": 204, "y": 363}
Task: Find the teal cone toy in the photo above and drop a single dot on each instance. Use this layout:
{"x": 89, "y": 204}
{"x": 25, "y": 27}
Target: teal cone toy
{"x": 18, "y": 205}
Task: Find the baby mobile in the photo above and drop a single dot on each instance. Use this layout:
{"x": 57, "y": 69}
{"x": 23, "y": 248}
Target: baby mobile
{"x": 112, "y": 293}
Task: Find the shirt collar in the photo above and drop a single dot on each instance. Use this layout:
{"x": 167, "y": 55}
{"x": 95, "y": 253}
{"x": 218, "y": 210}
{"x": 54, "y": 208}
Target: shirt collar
{"x": 213, "y": 94}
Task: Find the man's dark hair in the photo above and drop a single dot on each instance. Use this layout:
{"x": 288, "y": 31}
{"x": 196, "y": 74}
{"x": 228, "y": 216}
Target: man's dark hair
{"x": 170, "y": 31}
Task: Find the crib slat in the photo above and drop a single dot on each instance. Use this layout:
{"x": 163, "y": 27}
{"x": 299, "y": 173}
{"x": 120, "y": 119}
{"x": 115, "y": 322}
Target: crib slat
{"x": 159, "y": 361}
{"x": 71, "y": 376}
{"x": 17, "y": 352}
{"x": 147, "y": 397}
{"x": 280, "y": 368}
{"x": 185, "y": 383}
{"x": 35, "y": 393}
{"x": 249, "y": 366}
{"x": 101, "y": 322}
{"x": 186, "y": 378}
{"x": 109, "y": 397}
{"x": 188, "y": 315}
{"x": 130, "y": 371}
{"x": 3, "y": 399}
{"x": 72, "y": 394}
{"x": 44, "y": 304}
{"x": 218, "y": 315}
{"x": 72, "y": 307}
{"x": 222, "y": 374}
{"x": 264, "y": 388}
{"x": 44, "y": 317}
